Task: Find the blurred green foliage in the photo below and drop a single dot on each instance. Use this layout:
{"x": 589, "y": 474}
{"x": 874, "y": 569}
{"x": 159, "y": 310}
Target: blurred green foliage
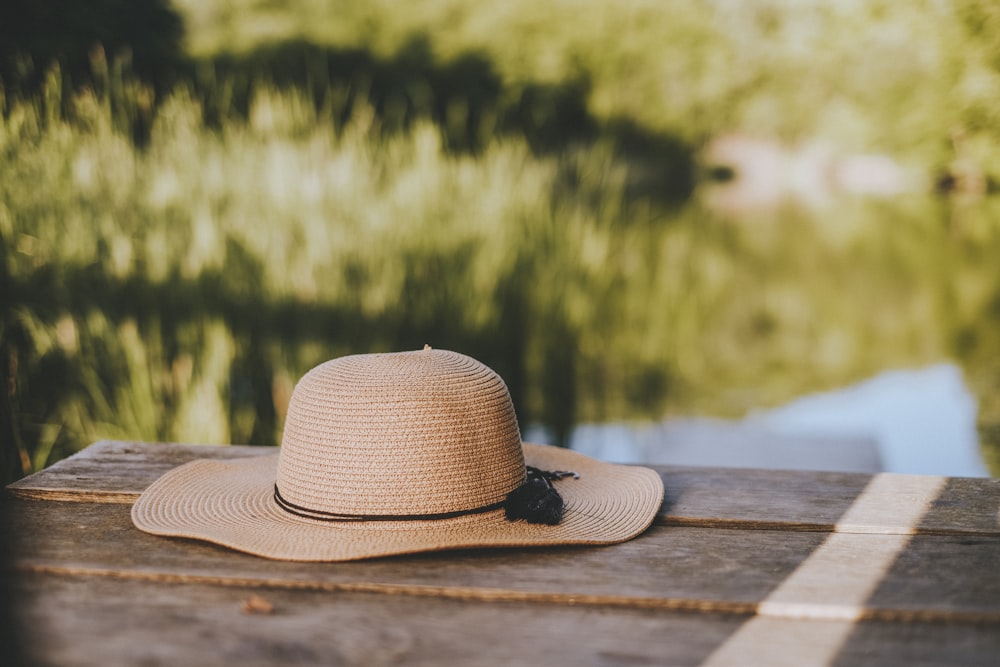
{"x": 328, "y": 178}
{"x": 881, "y": 76}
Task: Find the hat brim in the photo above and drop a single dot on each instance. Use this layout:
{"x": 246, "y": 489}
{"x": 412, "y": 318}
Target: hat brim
{"x": 231, "y": 503}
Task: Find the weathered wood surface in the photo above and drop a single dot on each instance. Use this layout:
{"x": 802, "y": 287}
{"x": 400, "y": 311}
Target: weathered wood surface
{"x": 118, "y": 471}
{"x": 67, "y": 621}
{"x": 743, "y": 567}
{"x": 726, "y": 570}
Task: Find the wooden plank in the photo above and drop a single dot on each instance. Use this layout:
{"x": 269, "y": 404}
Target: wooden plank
{"x": 759, "y": 499}
{"x": 918, "y": 645}
{"x": 116, "y": 471}
{"x": 798, "y": 500}
{"x": 777, "y": 642}
{"x": 686, "y": 568}
{"x": 99, "y": 539}
{"x": 71, "y": 621}
{"x": 83, "y": 621}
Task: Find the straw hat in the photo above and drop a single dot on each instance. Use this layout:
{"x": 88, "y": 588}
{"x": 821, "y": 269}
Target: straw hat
{"x": 399, "y": 453}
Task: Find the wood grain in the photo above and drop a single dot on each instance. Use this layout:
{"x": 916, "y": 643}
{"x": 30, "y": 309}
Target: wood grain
{"x": 81, "y": 621}
{"x": 690, "y": 568}
{"x": 887, "y": 569}
{"x": 70, "y": 621}
{"x": 671, "y": 567}
{"x": 118, "y": 471}
{"x": 777, "y": 642}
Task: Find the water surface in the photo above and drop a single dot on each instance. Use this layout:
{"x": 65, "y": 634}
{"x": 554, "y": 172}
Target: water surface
{"x": 915, "y": 421}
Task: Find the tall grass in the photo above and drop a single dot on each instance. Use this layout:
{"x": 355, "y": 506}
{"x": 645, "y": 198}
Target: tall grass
{"x": 177, "y": 290}
{"x": 174, "y": 261}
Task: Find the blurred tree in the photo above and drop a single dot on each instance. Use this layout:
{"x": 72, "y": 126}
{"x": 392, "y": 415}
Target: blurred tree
{"x": 10, "y": 460}
{"x": 36, "y": 33}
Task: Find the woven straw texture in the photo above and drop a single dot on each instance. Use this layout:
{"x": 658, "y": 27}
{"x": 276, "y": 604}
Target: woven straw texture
{"x": 406, "y": 433}
{"x": 409, "y": 433}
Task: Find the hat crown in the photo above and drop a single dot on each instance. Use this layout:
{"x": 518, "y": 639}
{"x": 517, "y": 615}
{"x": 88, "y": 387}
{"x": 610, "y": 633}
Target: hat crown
{"x": 405, "y": 433}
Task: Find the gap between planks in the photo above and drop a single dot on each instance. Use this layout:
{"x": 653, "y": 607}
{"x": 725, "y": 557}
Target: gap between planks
{"x": 116, "y": 472}
{"x": 760, "y": 610}
{"x": 886, "y": 499}
{"x": 69, "y": 495}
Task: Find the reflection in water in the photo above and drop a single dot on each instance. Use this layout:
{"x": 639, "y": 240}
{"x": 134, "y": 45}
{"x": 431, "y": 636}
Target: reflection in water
{"x": 920, "y": 422}
{"x": 145, "y": 299}
{"x": 924, "y": 421}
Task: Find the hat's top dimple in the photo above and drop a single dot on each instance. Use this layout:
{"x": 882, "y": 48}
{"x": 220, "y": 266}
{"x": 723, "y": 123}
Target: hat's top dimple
{"x": 424, "y": 432}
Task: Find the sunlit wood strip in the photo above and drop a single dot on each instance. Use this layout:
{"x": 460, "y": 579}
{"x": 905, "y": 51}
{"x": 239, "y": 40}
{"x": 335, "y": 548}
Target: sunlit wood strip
{"x": 832, "y": 586}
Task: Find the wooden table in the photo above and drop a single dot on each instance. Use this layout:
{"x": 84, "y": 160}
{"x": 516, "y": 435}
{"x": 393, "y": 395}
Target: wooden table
{"x": 743, "y": 567}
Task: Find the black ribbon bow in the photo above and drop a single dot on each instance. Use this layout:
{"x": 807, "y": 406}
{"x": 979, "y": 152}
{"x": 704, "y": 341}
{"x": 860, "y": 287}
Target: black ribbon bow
{"x": 536, "y": 500}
